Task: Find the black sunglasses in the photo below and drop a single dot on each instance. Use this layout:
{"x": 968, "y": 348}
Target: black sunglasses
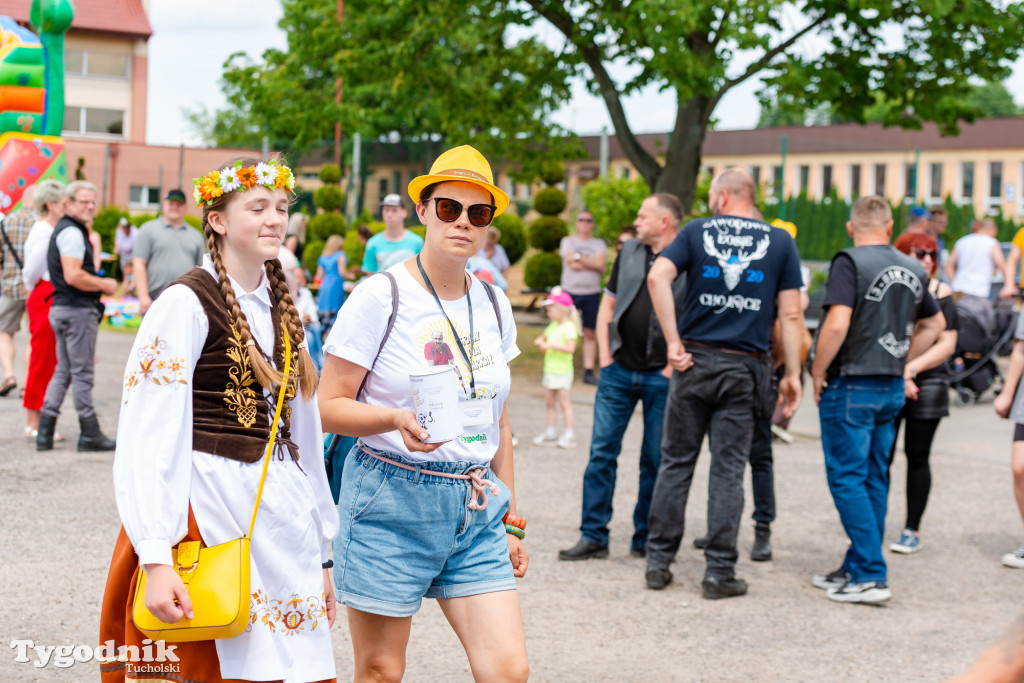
{"x": 449, "y": 211}
{"x": 921, "y": 253}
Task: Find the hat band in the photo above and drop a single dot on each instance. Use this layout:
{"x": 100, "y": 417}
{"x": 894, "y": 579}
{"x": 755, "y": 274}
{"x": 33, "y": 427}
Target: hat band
{"x": 465, "y": 173}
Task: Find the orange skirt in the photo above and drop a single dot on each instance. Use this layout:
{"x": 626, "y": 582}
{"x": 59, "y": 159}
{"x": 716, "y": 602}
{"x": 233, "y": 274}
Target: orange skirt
{"x": 197, "y": 661}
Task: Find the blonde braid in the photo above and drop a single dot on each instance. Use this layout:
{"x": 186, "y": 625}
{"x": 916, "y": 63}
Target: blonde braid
{"x": 293, "y": 325}
{"x": 264, "y": 372}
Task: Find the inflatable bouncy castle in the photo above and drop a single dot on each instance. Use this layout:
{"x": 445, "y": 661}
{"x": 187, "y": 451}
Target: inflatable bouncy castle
{"x": 32, "y": 100}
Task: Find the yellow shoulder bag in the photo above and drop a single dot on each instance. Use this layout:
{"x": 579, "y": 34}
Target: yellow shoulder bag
{"x": 217, "y": 577}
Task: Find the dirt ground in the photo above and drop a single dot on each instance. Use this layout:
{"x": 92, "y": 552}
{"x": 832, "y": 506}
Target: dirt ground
{"x": 596, "y": 620}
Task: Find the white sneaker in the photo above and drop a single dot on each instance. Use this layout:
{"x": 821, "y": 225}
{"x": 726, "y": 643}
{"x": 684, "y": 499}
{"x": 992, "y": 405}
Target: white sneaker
{"x": 1014, "y": 559}
{"x": 909, "y": 542}
{"x": 566, "y": 441}
{"x": 870, "y": 592}
{"x": 544, "y": 439}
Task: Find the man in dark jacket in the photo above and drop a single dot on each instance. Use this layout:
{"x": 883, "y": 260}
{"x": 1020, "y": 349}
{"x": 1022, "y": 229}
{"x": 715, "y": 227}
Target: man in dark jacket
{"x": 74, "y": 317}
{"x": 631, "y": 350}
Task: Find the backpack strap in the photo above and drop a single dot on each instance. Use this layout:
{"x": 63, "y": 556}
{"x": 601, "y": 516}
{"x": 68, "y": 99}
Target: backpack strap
{"x": 489, "y": 288}
{"x": 387, "y": 330}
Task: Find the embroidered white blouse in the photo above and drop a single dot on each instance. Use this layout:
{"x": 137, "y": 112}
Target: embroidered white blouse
{"x": 157, "y": 476}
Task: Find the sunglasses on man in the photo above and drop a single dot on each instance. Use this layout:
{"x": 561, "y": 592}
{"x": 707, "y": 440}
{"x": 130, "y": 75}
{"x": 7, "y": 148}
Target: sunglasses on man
{"x": 449, "y": 211}
{"x": 921, "y": 253}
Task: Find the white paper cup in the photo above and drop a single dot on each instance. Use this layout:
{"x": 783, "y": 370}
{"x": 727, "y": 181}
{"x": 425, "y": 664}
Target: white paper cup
{"x": 435, "y": 394}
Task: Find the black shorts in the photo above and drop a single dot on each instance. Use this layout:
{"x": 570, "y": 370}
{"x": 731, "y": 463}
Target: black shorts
{"x": 1018, "y": 432}
{"x": 587, "y": 304}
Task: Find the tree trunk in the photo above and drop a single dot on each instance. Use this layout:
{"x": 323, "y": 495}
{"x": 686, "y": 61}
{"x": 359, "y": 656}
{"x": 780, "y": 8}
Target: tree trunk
{"x": 682, "y": 161}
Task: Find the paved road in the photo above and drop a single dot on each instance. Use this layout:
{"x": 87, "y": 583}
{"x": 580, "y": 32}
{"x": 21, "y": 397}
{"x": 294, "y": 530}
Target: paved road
{"x": 594, "y": 621}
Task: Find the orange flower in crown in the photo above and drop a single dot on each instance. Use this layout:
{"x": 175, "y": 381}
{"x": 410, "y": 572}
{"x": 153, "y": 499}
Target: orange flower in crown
{"x": 268, "y": 174}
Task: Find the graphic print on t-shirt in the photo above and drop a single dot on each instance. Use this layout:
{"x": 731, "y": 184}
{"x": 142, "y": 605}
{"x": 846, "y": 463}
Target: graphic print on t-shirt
{"x": 734, "y": 252}
{"x": 437, "y": 346}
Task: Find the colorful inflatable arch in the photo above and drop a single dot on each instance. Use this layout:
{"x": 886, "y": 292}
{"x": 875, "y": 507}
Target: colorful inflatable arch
{"x": 32, "y": 100}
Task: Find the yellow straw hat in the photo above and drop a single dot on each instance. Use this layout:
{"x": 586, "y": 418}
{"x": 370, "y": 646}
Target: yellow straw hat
{"x": 463, "y": 164}
{"x": 785, "y": 225}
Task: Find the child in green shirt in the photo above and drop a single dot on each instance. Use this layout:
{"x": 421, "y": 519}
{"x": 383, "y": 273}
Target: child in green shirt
{"x": 558, "y": 342}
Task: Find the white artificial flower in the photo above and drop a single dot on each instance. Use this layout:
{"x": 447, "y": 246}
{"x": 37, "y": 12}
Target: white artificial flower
{"x": 265, "y": 174}
{"x": 229, "y": 180}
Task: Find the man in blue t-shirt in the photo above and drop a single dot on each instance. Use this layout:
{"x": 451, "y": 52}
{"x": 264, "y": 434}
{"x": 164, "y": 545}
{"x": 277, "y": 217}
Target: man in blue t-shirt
{"x": 395, "y": 244}
{"x": 740, "y": 271}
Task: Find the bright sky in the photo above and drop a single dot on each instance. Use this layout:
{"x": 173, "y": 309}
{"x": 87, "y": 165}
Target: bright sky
{"x": 193, "y": 38}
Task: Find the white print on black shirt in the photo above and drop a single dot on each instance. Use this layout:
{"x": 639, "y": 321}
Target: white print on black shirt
{"x": 723, "y": 302}
{"x": 734, "y": 265}
{"x": 898, "y": 349}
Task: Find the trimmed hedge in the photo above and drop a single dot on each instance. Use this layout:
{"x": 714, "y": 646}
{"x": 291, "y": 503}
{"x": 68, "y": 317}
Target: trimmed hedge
{"x": 550, "y": 201}
{"x": 513, "y": 235}
{"x": 323, "y": 225}
{"x": 543, "y": 270}
{"x": 547, "y": 232}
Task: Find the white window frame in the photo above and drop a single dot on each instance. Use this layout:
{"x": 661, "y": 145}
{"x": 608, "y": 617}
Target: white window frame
{"x": 849, "y": 181}
{"x": 81, "y": 132}
{"x": 997, "y": 201}
{"x": 821, "y": 179}
{"x": 141, "y": 205}
{"x": 932, "y": 199}
{"x": 959, "y": 189}
{"x": 105, "y": 77}
{"x": 1020, "y": 189}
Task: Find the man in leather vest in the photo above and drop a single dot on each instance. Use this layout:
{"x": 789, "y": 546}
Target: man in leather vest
{"x": 631, "y": 351}
{"x": 74, "y": 317}
{"x": 873, "y": 298}
{"x": 740, "y": 272}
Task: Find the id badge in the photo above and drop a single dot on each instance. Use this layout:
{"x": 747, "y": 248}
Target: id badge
{"x": 478, "y": 411}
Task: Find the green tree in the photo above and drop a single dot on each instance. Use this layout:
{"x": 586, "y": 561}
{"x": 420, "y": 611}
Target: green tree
{"x": 463, "y": 71}
{"x": 614, "y": 204}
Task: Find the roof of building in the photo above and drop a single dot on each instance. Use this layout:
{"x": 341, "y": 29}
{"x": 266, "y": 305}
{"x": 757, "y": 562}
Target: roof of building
{"x": 873, "y": 137}
{"x": 123, "y": 17}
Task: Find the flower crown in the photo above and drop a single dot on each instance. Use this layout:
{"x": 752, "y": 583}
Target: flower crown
{"x": 230, "y": 178}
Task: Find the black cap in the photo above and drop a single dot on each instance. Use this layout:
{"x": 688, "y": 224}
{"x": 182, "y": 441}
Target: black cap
{"x": 175, "y": 195}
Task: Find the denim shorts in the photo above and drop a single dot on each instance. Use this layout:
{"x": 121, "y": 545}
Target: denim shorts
{"x": 407, "y": 535}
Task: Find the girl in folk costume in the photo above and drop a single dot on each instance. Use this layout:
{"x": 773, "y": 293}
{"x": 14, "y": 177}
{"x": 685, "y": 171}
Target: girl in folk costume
{"x": 199, "y": 397}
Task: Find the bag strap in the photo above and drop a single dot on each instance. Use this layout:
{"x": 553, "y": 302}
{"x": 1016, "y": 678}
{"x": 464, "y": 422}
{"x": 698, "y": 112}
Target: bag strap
{"x": 387, "y": 330}
{"x": 273, "y": 429}
{"x": 7, "y": 241}
{"x": 489, "y": 288}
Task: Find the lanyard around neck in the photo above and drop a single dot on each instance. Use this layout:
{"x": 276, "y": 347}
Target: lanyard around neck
{"x": 458, "y": 340}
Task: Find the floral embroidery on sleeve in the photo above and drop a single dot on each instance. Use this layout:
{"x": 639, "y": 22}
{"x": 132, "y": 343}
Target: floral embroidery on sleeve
{"x": 155, "y": 365}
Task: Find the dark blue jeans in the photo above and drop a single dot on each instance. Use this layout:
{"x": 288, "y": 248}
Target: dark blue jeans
{"x": 858, "y": 427}
{"x": 618, "y": 391}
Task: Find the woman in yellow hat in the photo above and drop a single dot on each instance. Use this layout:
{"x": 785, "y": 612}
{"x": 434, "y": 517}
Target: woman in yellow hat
{"x": 423, "y": 518}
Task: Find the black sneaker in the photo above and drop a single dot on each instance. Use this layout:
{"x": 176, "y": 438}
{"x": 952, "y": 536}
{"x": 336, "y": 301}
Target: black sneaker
{"x": 583, "y": 550}
{"x": 700, "y": 543}
{"x": 715, "y": 588}
{"x": 831, "y": 581}
{"x": 589, "y": 378}
{"x": 638, "y": 552}
{"x": 658, "y": 578}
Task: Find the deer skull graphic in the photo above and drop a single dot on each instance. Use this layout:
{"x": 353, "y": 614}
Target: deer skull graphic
{"x": 733, "y": 266}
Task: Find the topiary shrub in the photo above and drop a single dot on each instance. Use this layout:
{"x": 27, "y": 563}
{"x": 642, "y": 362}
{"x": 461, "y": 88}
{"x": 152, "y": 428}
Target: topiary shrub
{"x": 310, "y": 253}
{"x": 105, "y": 224}
{"x": 323, "y": 225}
{"x": 513, "y": 235}
{"x": 330, "y": 174}
{"x": 329, "y": 197}
{"x": 552, "y": 172}
{"x": 543, "y": 270}
{"x": 547, "y": 232}
{"x": 550, "y": 201}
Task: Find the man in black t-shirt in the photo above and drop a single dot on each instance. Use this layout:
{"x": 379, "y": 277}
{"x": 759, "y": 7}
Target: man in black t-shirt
{"x": 631, "y": 351}
{"x": 739, "y": 270}
{"x": 879, "y": 315}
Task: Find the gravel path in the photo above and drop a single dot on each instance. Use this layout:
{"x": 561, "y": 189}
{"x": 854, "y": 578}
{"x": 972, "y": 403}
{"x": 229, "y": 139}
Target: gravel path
{"x": 593, "y": 621}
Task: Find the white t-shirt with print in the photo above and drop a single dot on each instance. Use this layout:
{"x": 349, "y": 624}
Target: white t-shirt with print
{"x": 360, "y": 326}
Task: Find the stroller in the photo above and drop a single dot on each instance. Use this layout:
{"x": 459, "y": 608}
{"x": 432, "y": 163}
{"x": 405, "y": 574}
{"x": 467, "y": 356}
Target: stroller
{"x": 974, "y": 368}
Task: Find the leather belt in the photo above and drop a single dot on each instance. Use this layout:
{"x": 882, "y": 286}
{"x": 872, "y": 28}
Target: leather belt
{"x": 735, "y": 352}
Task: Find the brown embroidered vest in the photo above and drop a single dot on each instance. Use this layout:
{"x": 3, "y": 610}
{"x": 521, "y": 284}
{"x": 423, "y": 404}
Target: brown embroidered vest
{"x": 230, "y": 412}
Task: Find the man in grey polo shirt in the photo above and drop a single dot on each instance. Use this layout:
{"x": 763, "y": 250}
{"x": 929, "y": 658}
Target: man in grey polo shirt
{"x": 165, "y": 249}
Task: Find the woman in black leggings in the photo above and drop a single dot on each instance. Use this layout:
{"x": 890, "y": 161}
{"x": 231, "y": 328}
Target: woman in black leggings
{"x": 927, "y": 386}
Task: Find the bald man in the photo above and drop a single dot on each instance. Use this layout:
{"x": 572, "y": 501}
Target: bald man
{"x": 740, "y": 271}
